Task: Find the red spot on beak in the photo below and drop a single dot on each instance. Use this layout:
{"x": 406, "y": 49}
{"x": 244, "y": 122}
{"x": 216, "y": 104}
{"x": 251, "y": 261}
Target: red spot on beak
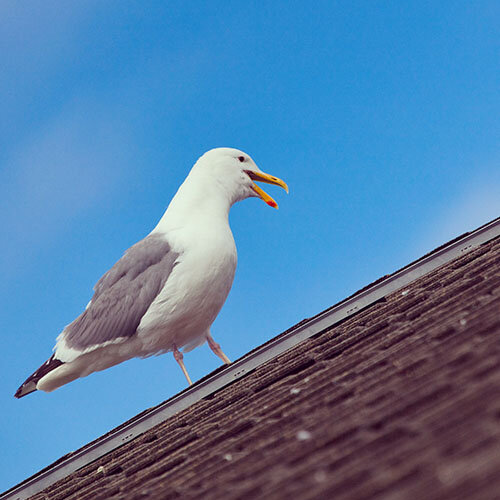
{"x": 272, "y": 204}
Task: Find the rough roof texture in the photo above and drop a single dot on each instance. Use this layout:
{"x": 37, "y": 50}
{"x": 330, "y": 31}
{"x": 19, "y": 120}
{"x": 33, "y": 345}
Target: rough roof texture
{"x": 401, "y": 400}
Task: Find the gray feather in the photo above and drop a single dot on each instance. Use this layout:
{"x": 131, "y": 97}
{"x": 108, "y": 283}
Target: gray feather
{"x": 123, "y": 295}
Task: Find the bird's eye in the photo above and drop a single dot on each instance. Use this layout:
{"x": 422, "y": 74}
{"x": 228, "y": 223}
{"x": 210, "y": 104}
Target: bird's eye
{"x": 241, "y": 158}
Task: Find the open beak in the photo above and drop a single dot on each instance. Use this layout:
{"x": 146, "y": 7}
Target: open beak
{"x": 268, "y": 179}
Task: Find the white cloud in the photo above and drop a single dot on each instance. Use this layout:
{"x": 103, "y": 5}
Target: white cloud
{"x": 75, "y": 159}
{"x": 478, "y": 203}
{"x": 31, "y": 33}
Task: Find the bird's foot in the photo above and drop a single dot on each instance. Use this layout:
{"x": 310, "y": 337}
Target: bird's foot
{"x": 178, "y": 356}
{"x": 217, "y": 350}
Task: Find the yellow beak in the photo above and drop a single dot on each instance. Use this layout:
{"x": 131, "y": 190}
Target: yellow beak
{"x": 268, "y": 179}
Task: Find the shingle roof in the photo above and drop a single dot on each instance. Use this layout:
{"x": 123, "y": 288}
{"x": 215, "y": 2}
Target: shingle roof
{"x": 401, "y": 400}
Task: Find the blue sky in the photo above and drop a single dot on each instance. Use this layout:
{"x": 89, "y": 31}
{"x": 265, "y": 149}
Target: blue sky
{"x": 381, "y": 116}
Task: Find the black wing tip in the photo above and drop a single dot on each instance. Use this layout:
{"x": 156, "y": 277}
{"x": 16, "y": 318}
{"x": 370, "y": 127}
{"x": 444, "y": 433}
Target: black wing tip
{"x": 29, "y": 385}
{"x": 24, "y": 390}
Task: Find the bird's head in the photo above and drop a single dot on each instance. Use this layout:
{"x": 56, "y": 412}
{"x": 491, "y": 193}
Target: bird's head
{"x": 236, "y": 173}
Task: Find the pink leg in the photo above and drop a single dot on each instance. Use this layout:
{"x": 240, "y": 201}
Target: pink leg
{"x": 217, "y": 350}
{"x": 179, "y": 358}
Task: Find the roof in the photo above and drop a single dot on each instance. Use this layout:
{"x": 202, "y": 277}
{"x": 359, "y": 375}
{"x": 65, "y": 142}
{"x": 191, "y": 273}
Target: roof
{"x": 399, "y": 400}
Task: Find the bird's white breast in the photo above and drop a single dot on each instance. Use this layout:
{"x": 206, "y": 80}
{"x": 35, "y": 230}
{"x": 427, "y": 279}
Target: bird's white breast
{"x": 195, "y": 290}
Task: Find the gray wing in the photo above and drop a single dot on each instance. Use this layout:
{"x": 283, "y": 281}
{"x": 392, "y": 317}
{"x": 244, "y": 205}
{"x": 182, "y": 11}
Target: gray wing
{"x": 123, "y": 295}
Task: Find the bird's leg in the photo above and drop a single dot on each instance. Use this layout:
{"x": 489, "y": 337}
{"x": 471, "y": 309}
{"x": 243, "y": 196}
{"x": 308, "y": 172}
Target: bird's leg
{"x": 179, "y": 358}
{"x": 217, "y": 350}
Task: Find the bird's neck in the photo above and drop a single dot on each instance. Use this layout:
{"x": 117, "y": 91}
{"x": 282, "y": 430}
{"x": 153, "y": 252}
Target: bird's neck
{"x": 196, "y": 201}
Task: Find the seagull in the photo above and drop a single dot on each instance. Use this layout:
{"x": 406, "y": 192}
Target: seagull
{"x": 166, "y": 291}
